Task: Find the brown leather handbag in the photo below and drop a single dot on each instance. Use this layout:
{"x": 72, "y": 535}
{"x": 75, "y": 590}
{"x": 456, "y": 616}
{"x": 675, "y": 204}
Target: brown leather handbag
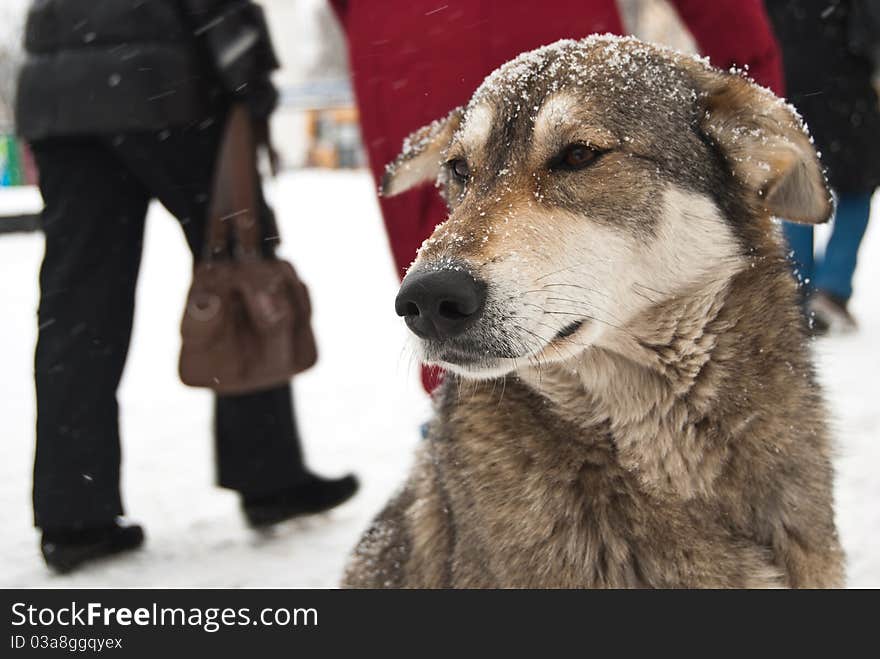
{"x": 247, "y": 322}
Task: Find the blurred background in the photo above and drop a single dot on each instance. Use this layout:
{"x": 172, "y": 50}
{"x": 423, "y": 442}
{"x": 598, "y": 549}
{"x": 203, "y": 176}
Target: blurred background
{"x": 361, "y": 407}
{"x": 316, "y": 123}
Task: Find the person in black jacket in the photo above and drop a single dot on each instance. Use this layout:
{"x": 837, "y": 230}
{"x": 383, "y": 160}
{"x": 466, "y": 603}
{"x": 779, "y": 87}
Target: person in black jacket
{"x": 829, "y": 49}
{"x": 124, "y": 102}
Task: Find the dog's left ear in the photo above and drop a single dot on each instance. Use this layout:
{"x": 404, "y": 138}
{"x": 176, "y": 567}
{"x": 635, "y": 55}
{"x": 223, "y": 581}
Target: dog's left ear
{"x": 766, "y": 145}
{"x": 420, "y": 159}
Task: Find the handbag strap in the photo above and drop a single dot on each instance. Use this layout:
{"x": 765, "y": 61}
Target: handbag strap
{"x": 235, "y": 207}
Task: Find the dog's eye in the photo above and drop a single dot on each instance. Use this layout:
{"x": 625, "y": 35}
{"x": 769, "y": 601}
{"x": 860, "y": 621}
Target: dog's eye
{"x": 459, "y": 168}
{"x": 575, "y": 156}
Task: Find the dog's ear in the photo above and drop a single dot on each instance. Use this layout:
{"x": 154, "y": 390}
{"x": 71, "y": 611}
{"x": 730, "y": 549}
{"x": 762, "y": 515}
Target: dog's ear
{"x": 420, "y": 159}
{"x": 766, "y": 145}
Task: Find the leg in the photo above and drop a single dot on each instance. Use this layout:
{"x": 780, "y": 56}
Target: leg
{"x": 258, "y": 446}
{"x": 380, "y": 558}
{"x": 257, "y": 442}
{"x": 411, "y": 543}
{"x": 835, "y": 273}
{"x": 93, "y": 222}
{"x": 800, "y": 242}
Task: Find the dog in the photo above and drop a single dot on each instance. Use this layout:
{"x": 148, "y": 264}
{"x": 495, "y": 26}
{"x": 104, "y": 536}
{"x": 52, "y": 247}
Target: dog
{"x": 629, "y": 399}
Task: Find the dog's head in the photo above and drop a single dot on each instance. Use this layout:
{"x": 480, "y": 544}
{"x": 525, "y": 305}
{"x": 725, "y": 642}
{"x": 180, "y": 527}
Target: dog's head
{"x": 586, "y": 182}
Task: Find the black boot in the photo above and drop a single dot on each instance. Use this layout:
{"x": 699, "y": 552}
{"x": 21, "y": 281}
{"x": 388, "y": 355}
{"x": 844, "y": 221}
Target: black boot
{"x": 66, "y": 549}
{"x": 315, "y": 495}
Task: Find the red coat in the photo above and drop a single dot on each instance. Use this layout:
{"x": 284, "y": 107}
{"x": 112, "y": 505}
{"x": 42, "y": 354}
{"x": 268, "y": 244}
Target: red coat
{"x": 414, "y": 60}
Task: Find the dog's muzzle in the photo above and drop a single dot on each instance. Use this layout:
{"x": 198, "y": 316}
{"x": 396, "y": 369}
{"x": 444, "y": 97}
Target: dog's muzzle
{"x": 440, "y": 304}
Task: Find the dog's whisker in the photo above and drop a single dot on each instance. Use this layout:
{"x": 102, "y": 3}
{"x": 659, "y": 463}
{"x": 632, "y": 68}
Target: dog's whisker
{"x": 580, "y": 302}
{"x": 566, "y": 269}
{"x": 543, "y": 343}
{"x": 581, "y": 287}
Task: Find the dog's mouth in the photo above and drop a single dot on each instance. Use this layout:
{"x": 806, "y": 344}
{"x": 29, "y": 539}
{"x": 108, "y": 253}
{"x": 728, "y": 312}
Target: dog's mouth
{"x": 465, "y": 356}
{"x": 473, "y": 359}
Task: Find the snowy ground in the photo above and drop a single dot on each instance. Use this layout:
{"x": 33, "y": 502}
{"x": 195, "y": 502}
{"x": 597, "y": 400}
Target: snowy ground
{"x": 360, "y": 408}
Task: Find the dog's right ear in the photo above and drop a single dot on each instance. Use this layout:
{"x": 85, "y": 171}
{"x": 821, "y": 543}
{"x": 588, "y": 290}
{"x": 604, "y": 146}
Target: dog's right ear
{"x": 420, "y": 159}
{"x": 766, "y": 145}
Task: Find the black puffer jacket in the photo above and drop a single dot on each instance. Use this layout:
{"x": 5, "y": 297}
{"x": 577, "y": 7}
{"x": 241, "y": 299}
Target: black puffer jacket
{"x": 830, "y": 84}
{"x": 111, "y": 66}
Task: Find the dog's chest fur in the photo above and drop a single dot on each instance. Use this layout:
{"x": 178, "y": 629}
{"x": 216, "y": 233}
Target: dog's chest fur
{"x": 534, "y": 500}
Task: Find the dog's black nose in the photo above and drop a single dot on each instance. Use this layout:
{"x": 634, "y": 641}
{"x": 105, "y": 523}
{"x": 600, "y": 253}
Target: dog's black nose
{"x": 438, "y": 304}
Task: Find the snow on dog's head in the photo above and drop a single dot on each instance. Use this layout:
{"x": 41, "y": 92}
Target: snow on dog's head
{"x": 588, "y": 181}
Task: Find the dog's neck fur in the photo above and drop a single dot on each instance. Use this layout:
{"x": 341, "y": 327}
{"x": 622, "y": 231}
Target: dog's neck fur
{"x": 653, "y": 388}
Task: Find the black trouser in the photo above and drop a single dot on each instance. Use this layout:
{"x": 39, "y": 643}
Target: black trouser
{"x": 96, "y": 193}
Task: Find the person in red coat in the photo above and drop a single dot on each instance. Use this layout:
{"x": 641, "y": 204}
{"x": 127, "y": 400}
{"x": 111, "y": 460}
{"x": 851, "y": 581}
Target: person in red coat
{"x": 412, "y": 61}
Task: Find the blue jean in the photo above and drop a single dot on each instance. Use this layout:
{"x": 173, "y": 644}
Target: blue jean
{"x": 833, "y": 273}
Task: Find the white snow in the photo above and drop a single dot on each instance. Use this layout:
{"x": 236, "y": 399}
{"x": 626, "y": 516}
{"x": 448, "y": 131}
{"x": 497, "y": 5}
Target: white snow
{"x": 20, "y": 200}
{"x": 360, "y": 408}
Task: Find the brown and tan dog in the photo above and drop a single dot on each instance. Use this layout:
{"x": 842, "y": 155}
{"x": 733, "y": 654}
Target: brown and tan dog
{"x": 631, "y": 401}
